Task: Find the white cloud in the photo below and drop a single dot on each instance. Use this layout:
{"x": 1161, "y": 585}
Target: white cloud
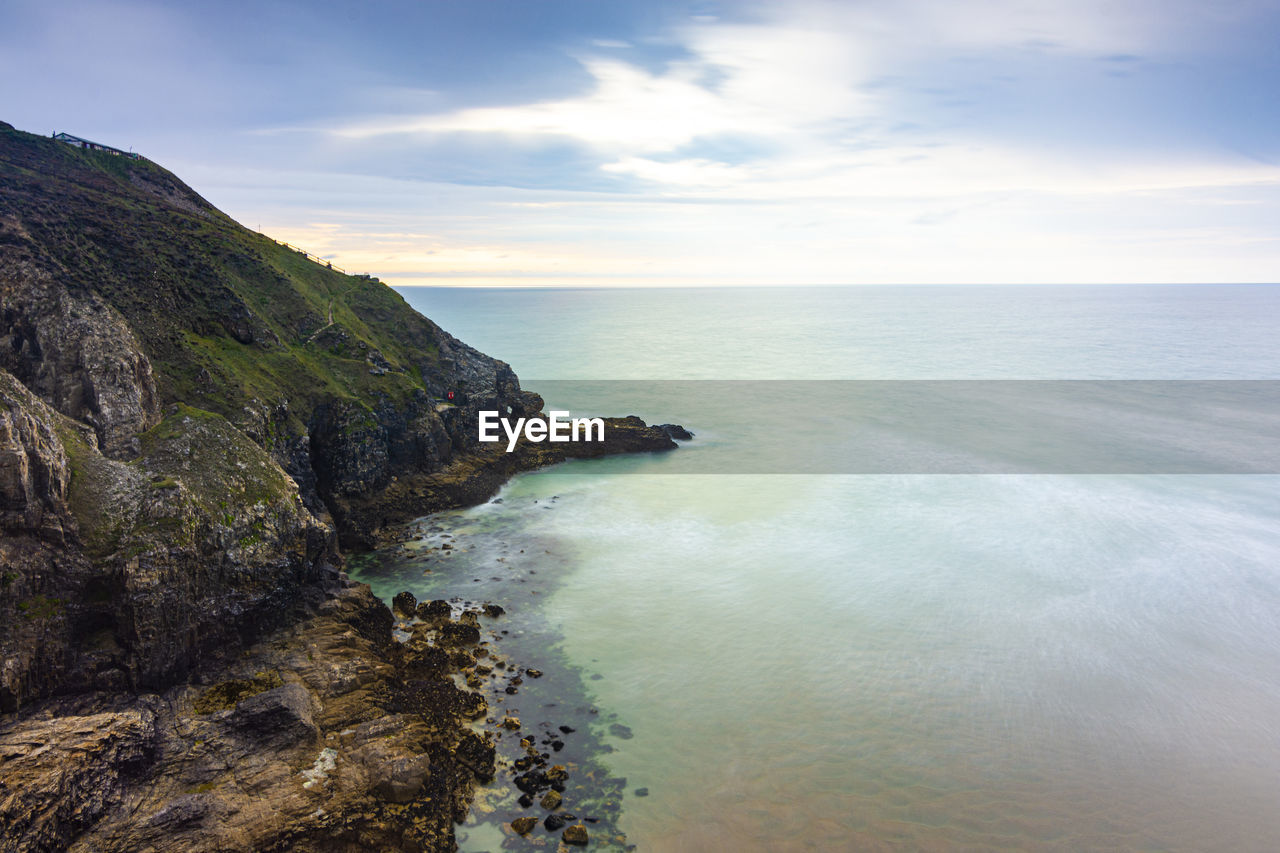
{"x": 838, "y": 189}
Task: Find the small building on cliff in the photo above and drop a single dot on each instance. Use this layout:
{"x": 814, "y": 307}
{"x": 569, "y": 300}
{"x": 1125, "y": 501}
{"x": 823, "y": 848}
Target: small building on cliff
{"x": 93, "y": 146}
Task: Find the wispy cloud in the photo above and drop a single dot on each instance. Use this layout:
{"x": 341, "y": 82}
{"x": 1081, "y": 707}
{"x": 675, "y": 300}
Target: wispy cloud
{"x": 884, "y": 140}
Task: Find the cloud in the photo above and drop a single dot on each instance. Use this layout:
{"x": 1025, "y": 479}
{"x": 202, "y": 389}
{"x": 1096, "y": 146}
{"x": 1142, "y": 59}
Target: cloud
{"x": 883, "y": 140}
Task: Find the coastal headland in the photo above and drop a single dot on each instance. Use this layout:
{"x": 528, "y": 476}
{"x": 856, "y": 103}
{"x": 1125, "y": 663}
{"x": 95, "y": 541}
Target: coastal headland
{"x": 196, "y": 422}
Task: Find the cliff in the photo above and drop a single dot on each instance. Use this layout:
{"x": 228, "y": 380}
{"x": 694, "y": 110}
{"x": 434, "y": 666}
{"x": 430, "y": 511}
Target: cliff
{"x": 193, "y": 420}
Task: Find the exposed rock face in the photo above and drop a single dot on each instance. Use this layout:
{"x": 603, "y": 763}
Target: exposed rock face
{"x": 474, "y": 476}
{"x": 78, "y": 354}
{"x": 34, "y": 473}
{"x": 125, "y": 574}
{"x": 335, "y": 758}
{"x": 191, "y": 415}
{"x": 40, "y": 570}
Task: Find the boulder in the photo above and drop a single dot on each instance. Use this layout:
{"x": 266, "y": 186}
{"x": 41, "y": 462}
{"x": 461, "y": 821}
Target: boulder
{"x": 404, "y": 604}
{"x": 400, "y": 780}
{"x": 674, "y": 431}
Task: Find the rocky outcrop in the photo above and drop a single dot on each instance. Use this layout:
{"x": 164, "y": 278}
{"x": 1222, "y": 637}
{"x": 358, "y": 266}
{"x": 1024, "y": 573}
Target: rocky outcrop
{"x": 78, "y": 354}
{"x": 41, "y": 571}
{"x": 313, "y": 740}
{"x": 473, "y": 476}
{"x": 124, "y": 575}
{"x": 190, "y": 416}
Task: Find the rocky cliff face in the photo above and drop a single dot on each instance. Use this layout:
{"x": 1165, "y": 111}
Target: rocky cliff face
{"x": 78, "y": 354}
{"x": 191, "y": 417}
{"x": 124, "y": 575}
{"x": 122, "y": 291}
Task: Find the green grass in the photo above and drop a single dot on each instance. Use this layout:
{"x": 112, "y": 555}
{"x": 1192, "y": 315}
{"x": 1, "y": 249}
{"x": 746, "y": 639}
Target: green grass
{"x": 190, "y": 281}
{"x": 40, "y": 607}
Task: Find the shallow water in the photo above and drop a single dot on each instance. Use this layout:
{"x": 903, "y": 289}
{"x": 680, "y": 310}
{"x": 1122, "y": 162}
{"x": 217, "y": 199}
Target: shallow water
{"x": 892, "y": 661}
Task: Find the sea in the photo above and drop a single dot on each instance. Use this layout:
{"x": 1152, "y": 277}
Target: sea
{"x": 841, "y": 656}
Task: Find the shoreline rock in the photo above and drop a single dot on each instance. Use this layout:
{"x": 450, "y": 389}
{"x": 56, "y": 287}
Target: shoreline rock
{"x": 189, "y": 430}
{"x": 346, "y": 757}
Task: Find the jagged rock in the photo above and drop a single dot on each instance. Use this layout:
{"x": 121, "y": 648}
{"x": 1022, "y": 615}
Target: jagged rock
{"x": 176, "y": 466}
{"x": 404, "y": 604}
{"x": 551, "y": 800}
{"x": 459, "y": 634}
{"x": 166, "y": 775}
{"x": 576, "y": 834}
{"x": 675, "y": 431}
{"x": 79, "y": 354}
{"x": 493, "y": 611}
{"x": 524, "y": 825}
{"x": 400, "y": 780}
{"x": 284, "y": 714}
{"x": 63, "y": 774}
{"x": 429, "y": 611}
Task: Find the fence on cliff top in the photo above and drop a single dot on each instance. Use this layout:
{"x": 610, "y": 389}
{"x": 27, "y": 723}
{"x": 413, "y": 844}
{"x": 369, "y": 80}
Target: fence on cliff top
{"x": 319, "y": 260}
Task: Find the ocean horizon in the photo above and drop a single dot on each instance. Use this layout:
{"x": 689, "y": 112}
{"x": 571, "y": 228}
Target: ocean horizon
{"x": 795, "y": 661}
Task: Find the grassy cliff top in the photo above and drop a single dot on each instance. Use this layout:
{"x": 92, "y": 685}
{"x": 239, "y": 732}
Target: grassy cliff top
{"x": 228, "y": 317}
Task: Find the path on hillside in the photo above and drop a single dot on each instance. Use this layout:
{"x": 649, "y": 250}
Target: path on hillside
{"x": 332, "y": 299}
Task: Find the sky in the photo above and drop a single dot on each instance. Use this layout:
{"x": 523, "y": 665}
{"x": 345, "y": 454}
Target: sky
{"x": 650, "y": 143}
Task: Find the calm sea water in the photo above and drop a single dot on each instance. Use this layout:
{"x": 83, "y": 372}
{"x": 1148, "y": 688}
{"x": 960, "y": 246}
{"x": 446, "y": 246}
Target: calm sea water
{"x": 842, "y": 662}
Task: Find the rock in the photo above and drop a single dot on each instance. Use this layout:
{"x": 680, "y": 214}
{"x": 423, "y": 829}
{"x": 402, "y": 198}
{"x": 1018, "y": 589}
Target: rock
{"x": 642, "y": 792}
{"x": 553, "y": 822}
{"x": 138, "y": 323}
{"x": 512, "y": 723}
{"x": 557, "y": 773}
{"x": 493, "y": 611}
{"x": 80, "y": 355}
{"x": 533, "y": 673}
{"x": 675, "y": 431}
{"x": 284, "y": 714}
{"x": 459, "y": 634}
{"x": 74, "y": 779}
{"x": 64, "y": 774}
{"x": 576, "y": 834}
{"x": 430, "y": 611}
{"x": 524, "y": 825}
{"x": 404, "y": 604}
{"x": 400, "y": 780}
{"x": 620, "y": 731}
{"x": 551, "y": 800}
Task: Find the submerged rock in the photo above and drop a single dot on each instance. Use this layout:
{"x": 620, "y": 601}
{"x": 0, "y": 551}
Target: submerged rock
{"x": 576, "y": 834}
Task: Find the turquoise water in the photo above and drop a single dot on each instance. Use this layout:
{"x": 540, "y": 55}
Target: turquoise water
{"x": 838, "y": 662}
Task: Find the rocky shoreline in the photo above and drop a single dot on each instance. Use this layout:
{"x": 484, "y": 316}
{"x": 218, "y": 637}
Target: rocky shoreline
{"x": 195, "y": 423}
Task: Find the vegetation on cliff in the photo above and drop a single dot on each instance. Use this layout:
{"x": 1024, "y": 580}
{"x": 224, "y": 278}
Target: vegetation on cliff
{"x": 191, "y": 417}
